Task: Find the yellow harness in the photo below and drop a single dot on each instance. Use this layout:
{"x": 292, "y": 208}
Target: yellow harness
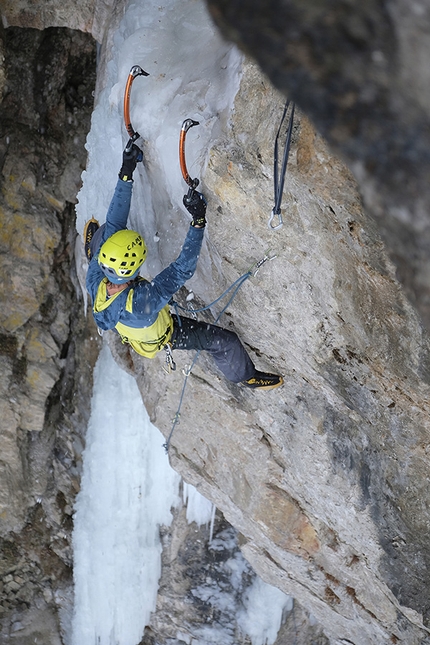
{"x": 146, "y": 341}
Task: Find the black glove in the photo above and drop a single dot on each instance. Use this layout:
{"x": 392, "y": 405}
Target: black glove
{"x": 129, "y": 160}
{"x": 196, "y": 206}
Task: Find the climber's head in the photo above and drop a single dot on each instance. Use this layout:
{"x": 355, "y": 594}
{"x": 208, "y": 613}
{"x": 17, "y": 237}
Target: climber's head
{"x": 122, "y": 255}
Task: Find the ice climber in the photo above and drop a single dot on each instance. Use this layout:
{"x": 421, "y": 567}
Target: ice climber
{"x": 139, "y": 309}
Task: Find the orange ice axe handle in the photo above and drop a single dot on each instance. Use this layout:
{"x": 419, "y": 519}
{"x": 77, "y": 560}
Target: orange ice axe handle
{"x": 192, "y": 183}
{"x": 136, "y": 70}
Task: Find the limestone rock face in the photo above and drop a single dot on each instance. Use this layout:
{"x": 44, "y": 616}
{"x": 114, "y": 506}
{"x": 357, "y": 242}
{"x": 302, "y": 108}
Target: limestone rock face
{"x": 360, "y": 72}
{"x": 92, "y": 16}
{"x": 46, "y": 352}
{"x": 326, "y": 477}
{"x": 204, "y": 581}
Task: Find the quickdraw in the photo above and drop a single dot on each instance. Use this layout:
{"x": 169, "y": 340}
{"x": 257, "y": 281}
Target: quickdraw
{"x": 192, "y": 183}
{"x": 256, "y": 267}
{"x": 169, "y": 364}
{"x": 136, "y": 70}
{"x": 280, "y": 177}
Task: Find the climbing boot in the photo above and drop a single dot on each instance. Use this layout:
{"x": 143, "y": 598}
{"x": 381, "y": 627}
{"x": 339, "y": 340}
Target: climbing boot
{"x": 264, "y": 381}
{"x": 90, "y": 228}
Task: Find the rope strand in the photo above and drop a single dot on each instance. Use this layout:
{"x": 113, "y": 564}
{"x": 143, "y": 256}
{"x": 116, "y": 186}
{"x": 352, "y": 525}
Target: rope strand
{"x": 236, "y": 286}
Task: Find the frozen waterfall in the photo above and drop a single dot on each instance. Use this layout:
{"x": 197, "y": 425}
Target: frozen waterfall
{"x": 128, "y": 488}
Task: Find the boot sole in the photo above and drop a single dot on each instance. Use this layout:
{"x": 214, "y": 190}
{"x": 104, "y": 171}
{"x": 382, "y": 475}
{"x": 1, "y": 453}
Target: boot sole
{"x": 266, "y": 387}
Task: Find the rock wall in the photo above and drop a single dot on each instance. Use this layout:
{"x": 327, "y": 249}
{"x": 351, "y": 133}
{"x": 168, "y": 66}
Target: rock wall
{"x": 360, "y": 72}
{"x": 89, "y": 16}
{"x": 202, "y": 587}
{"x": 325, "y": 479}
{"x": 46, "y": 347}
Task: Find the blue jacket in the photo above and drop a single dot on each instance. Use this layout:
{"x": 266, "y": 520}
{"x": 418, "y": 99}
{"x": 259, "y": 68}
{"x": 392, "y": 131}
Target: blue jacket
{"x": 148, "y": 297}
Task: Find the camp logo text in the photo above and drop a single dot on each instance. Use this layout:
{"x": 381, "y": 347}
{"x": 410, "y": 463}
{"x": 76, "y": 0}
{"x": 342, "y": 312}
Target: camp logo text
{"x": 136, "y": 242}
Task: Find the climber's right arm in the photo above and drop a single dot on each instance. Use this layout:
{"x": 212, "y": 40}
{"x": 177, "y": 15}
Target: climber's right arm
{"x": 117, "y": 215}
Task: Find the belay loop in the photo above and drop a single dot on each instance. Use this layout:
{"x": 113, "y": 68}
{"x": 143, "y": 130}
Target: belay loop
{"x": 136, "y": 70}
{"x": 279, "y": 177}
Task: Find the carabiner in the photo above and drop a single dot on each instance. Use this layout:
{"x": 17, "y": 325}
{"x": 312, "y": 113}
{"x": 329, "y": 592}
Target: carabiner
{"x": 271, "y": 218}
{"x": 169, "y": 364}
{"x": 255, "y": 269}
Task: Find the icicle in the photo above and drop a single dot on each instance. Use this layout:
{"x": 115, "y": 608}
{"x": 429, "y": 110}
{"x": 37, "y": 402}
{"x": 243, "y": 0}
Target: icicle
{"x": 211, "y": 530}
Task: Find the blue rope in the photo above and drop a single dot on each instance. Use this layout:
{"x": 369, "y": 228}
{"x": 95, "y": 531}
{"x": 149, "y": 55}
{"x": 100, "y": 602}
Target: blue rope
{"x": 237, "y": 283}
{"x": 178, "y": 411}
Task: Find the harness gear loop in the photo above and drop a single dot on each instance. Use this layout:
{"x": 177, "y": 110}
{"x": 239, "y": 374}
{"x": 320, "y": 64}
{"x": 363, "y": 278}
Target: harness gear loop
{"x": 136, "y": 70}
{"x": 279, "y": 177}
{"x": 192, "y": 183}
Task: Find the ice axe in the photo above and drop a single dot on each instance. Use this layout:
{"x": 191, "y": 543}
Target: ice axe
{"x": 192, "y": 183}
{"x": 136, "y": 70}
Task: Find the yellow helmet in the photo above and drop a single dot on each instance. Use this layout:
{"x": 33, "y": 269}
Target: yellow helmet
{"x": 122, "y": 255}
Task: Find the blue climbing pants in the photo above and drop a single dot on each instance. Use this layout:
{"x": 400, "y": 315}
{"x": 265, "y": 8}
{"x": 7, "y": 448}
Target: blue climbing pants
{"x": 223, "y": 345}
